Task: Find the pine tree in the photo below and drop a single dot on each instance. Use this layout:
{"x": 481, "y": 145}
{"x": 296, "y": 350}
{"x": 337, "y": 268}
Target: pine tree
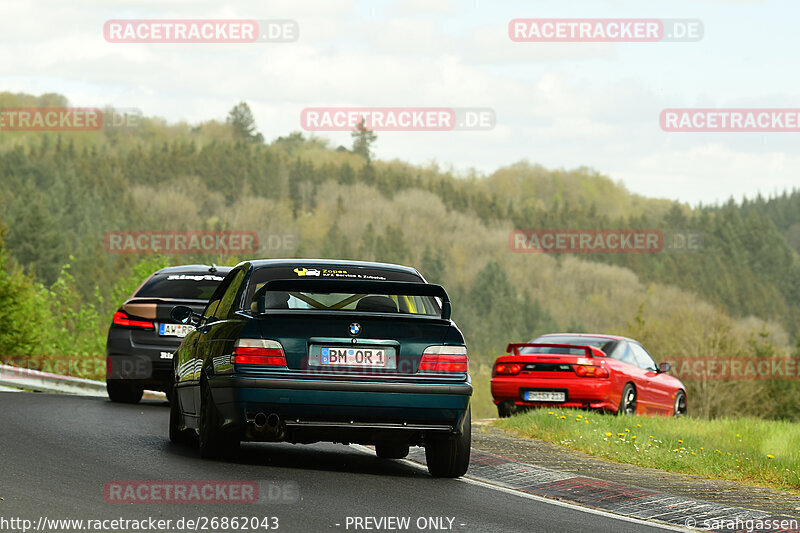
{"x": 363, "y": 139}
{"x": 241, "y": 119}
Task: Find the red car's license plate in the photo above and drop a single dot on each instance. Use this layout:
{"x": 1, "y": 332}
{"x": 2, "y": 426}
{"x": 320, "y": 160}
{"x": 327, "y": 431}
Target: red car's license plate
{"x": 545, "y": 396}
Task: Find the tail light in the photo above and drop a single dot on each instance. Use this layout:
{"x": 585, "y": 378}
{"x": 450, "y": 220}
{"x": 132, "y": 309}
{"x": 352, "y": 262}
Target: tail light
{"x": 590, "y": 371}
{"x": 258, "y": 352}
{"x": 507, "y": 369}
{"x": 444, "y": 359}
{"x": 122, "y": 319}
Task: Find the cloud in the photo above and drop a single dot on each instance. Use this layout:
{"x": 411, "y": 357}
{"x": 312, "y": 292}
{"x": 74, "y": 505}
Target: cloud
{"x": 559, "y": 104}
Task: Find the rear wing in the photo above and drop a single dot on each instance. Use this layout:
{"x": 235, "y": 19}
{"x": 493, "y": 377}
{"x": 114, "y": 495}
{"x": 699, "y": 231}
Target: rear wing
{"x": 331, "y": 286}
{"x": 591, "y": 351}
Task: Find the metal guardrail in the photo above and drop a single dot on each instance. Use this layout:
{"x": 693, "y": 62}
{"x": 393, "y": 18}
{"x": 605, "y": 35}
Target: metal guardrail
{"x": 25, "y": 379}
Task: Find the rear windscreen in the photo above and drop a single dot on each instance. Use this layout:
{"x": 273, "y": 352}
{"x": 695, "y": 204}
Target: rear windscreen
{"x": 193, "y": 286}
{"x": 376, "y": 303}
{"x": 605, "y": 344}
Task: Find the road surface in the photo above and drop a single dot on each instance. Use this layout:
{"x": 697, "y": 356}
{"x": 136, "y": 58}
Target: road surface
{"x": 58, "y": 453}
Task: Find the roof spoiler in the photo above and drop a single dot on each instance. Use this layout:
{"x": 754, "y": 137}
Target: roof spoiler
{"x": 591, "y": 351}
{"x": 329, "y": 286}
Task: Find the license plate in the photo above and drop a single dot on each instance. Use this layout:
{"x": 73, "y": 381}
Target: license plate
{"x": 175, "y": 330}
{"x": 545, "y": 396}
{"x": 353, "y": 357}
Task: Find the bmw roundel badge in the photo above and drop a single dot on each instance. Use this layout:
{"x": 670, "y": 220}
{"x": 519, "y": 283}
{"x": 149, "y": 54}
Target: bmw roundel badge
{"x": 355, "y": 328}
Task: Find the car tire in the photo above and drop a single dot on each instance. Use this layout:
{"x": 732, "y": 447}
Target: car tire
{"x": 122, "y": 392}
{"x": 213, "y": 443}
{"x": 449, "y": 457}
{"x": 177, "y": 434}
{"x": 680, "y": 404}
{"x": 391, "y": 450}
{"x": 627, "y": 405}
{"x": 506, "y": 409}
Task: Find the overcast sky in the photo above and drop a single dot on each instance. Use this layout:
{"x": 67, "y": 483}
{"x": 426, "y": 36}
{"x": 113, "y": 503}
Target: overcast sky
{"x": 563, "y": 105}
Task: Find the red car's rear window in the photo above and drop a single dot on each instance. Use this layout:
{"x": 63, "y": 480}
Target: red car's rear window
{"x": 603, "y": 343}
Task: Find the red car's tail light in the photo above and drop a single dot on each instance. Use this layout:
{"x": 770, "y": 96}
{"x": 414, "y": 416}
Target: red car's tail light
{"x": 507, "y": 369}
{"x": 444, "y": 359}
{"x": 258, "y": 352}
{"x": 590, "y": 371}
{"x": 122, "y": 319}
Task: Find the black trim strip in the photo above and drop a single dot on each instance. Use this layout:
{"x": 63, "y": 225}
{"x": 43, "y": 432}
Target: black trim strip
{"x": 348, "y": 386}
{"x": 366, "y": 425}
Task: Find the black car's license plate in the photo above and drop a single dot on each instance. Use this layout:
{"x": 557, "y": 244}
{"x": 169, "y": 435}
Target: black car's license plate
{"x": 175, "y": 330}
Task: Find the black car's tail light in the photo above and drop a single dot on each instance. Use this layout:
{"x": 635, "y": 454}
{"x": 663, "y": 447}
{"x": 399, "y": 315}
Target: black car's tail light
{"x": 258, "y": 352}
{"x": 444, "y": 359}
{"x": 122, "y": 319}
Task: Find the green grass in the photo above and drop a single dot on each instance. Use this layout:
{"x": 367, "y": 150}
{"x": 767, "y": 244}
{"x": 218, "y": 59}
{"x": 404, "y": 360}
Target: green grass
{"x": 744, "y": 450}
{"x": 481, "y": 402}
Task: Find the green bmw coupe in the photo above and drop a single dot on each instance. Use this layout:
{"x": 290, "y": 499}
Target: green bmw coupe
{"x": 312, "y": 350}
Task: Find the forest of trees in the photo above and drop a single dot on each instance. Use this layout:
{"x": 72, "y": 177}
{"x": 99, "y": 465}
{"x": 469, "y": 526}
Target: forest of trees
{"x": 61, "y": 192}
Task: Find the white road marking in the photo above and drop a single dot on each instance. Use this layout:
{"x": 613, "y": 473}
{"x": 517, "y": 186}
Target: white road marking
{"x": 542, "y": 499}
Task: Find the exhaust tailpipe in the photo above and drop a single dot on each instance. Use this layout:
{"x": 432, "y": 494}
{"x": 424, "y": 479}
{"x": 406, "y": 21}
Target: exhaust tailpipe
{"x": 269, "y": 427}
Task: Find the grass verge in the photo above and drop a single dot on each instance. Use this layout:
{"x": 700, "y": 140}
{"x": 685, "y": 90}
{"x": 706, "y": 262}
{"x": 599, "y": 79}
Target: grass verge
{"x": 744, "y": 450}
{"x": 481, "y": 402}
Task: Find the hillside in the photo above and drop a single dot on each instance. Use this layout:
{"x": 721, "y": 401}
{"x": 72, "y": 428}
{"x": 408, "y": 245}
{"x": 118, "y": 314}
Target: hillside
{"x": 62, "y": 192}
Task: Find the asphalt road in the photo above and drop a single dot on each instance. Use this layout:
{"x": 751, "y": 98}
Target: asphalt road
{"x": 57, "y": 453}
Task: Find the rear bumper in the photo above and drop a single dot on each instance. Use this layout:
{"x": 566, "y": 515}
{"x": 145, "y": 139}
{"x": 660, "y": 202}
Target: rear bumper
{"x": 580, "y": 392}
{"x": 342, "y": 411}
{"x": 144, "y": 365}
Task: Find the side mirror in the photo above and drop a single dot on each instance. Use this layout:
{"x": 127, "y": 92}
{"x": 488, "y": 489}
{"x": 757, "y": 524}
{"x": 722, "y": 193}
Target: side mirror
{"x": 663, "y": 368}
{"x": 182, "y": 314}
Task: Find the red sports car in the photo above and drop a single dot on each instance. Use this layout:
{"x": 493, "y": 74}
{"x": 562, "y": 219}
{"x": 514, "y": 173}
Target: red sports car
{"x": 603, "y": 372}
